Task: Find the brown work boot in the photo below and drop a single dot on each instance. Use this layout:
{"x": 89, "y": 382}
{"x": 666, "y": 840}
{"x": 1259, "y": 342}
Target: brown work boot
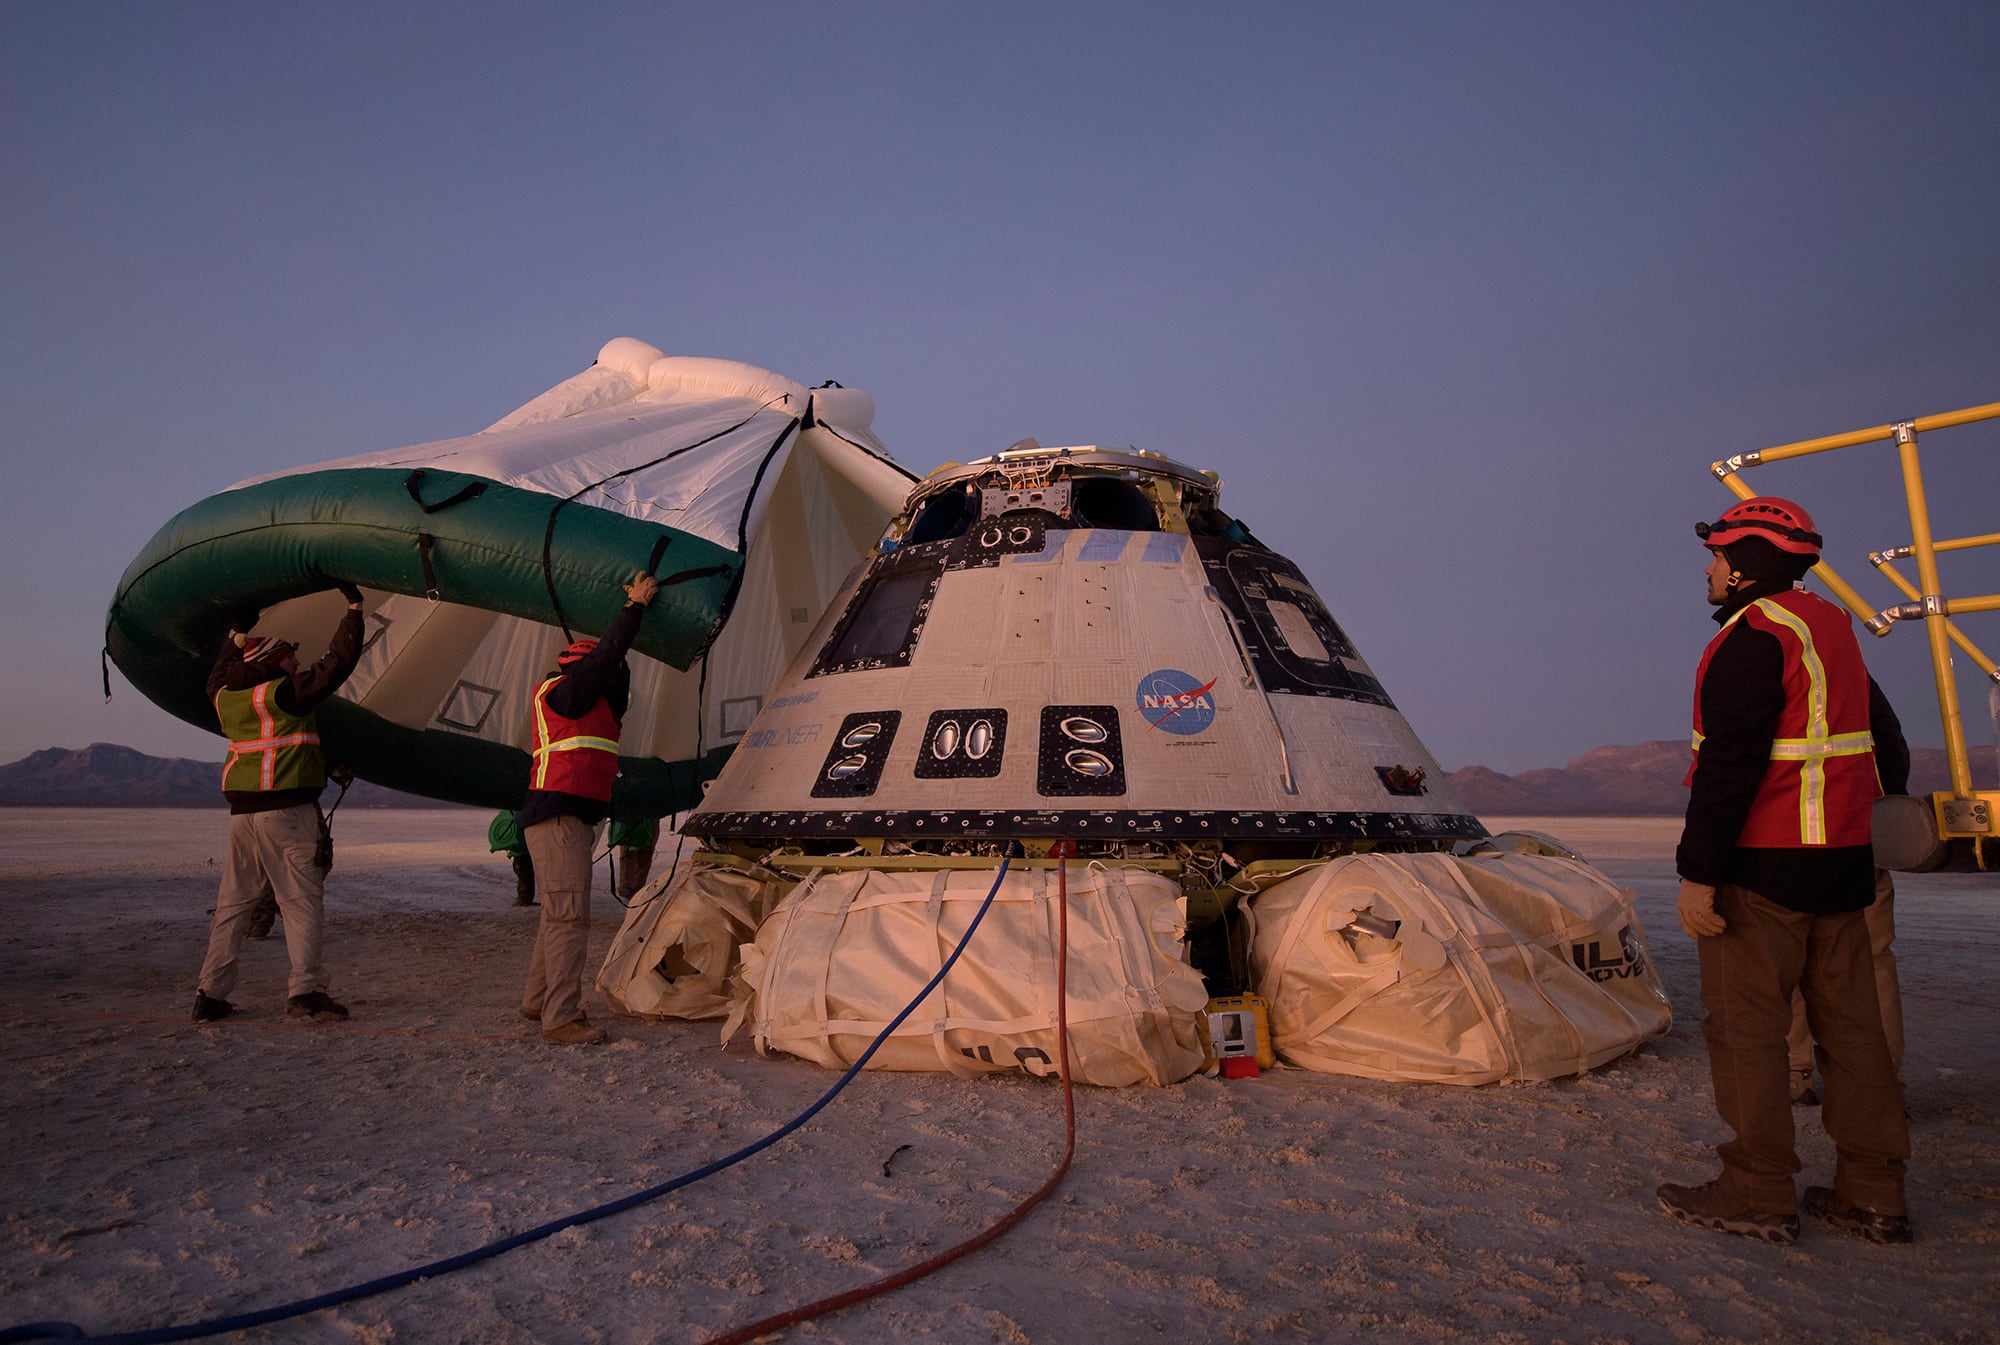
{"x": 576, "y": 1032}
{"x": 208, "y": 1009}
{"x": 316, "y": 1005}
{"x": 1709, "y": 1206}
{"x": 1822, "y": 1204}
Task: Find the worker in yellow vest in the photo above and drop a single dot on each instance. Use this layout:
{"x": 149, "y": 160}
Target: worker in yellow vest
{"x": 265, "y": 703}
{"x": 577, "y": 714}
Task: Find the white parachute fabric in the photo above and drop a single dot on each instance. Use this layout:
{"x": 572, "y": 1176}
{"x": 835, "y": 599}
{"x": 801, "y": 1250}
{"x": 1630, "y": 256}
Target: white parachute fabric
{"x": 846, "y": 951}
{"x": 792, "y": 476}
{"x": 675, "y": 440}
{"x": 681, "y": 941}
{"x": 1484, "y": 969}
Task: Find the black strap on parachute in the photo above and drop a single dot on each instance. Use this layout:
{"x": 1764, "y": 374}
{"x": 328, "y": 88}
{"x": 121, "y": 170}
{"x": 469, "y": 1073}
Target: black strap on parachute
{"x": 683, "y": 576}
{"x": 425, "y": 544}
{"x": 659, "y": 547}
{"x": 414, "y": 482}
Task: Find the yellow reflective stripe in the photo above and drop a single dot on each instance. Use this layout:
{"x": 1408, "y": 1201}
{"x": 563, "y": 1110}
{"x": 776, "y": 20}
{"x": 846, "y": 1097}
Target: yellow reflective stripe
{"x": 541, "y": 772}
{"x": 1839, "y": 745}
{"x": 1812, "y": 750}
{"x": 1812, "y": 768}
{"x": 579, "y": 743}
{"x": 546, "y": 751}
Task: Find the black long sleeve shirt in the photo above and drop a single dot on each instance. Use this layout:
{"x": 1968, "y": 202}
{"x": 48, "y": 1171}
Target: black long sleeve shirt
{"x": 1742, "y": 698}
{"x": 600, "y": 675}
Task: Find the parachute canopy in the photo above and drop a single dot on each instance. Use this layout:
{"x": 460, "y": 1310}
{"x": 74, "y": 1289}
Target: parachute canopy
{"x": 750, "y": 496}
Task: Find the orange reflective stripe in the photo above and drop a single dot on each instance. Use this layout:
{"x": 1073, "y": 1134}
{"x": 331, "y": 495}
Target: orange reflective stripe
{"x": 273, "y": 746}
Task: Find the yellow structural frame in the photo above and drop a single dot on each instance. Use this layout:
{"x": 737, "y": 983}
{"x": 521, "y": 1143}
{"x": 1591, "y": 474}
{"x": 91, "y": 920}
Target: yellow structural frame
{"x": 1961, "y": 811}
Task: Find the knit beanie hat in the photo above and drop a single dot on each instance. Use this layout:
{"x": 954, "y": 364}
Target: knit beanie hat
{"x": 266, "y": 648}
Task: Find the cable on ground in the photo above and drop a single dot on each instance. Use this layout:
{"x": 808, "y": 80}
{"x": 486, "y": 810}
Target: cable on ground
{"x": 38, "y": 1331}
{"x": 834, "y": 1302}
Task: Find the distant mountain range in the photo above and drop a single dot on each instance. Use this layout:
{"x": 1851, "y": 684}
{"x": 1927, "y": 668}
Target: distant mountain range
{"x": 1644, "y": 780}
{"x": 104, "y": 775}
{"x": 1636, "y": 781}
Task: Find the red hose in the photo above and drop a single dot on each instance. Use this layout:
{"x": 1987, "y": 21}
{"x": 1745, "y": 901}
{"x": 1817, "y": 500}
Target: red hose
{"x": 742, "y": 1335}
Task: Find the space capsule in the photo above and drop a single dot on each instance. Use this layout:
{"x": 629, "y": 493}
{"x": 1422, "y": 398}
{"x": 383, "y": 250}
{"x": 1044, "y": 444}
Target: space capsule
{"x": 1075, "y": 657}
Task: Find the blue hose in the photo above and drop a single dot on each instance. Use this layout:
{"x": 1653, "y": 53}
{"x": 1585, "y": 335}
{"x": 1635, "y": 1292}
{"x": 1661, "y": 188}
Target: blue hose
{"x": 35, "y": 1331}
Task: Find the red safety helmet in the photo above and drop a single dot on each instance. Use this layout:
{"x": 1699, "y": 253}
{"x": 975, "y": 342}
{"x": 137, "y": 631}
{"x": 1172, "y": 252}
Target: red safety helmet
{"x": 575, "y": 652}
{"x": 1779, "y": 522}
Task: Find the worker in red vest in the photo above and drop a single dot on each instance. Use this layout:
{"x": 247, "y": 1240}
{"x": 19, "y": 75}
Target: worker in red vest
{"x": 1777, "y": 871}
{"x": 577, "y": 714}
{"x": 265, "y": 703}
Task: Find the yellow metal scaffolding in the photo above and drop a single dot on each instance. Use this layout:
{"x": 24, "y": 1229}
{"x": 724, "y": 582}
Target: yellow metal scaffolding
{"x": 1962, "y": 811}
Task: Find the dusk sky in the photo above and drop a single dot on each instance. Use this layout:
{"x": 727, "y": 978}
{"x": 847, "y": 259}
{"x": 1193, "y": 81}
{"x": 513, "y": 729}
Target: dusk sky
{"x": 1460, "y": 299}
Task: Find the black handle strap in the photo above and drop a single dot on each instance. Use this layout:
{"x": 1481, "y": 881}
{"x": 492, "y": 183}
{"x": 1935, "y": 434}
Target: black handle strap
{"x": 425, "y": 544}
{"x": 414, "y": 481}
{"x": 683, "y": 576}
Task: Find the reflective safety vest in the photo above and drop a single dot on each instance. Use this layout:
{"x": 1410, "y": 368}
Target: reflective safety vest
{"x": 1821, "y": 783}
{"x": 574, "y": 756}
{"x": 269, "y": 747}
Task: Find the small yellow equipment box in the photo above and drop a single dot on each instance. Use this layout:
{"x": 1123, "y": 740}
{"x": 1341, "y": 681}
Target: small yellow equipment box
{"x": 1236, "y": 1026}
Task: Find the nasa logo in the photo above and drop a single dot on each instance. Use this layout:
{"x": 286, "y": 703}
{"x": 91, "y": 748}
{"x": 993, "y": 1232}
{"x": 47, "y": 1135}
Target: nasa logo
{"x": 1176, "y": 702}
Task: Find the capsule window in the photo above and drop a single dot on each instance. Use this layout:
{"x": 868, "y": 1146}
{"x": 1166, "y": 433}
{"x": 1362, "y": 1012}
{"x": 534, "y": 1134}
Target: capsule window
{"x": 882, "y": 621}
{"x": 1296, "y": 628}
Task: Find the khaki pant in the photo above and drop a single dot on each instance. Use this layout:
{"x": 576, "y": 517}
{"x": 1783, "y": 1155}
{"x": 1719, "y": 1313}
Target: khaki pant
{"x": 277, "y": 847}
{"x": 1748, "y": 974}
{"x": 560, "y": 848}
{"x": 1881, "y": 921}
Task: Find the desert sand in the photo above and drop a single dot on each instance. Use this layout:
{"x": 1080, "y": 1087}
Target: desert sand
{"x": 159, "y": 1173}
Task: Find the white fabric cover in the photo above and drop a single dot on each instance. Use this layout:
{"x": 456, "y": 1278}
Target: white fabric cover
{"x": 1505, "y": 967}
{"x": 670, "y": 439}
{"x": 845, "y": 952}
{"x": 678, "y": 947}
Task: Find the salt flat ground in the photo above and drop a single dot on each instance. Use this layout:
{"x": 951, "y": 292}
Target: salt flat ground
{"x": 159, "y": 1173}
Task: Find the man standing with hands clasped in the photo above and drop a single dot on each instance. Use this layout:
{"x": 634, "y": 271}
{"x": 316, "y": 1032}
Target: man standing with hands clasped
{"x": 578, "y": 712}
{"x": 1776, "y": 872}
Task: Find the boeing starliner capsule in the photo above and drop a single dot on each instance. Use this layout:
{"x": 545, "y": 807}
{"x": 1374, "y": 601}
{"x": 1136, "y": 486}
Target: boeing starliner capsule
{"x": 1077, "y": 642}
{"x": 1078, "y": 646}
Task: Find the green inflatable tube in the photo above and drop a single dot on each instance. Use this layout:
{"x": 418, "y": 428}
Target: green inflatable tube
{"x": 462, "y": 539}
